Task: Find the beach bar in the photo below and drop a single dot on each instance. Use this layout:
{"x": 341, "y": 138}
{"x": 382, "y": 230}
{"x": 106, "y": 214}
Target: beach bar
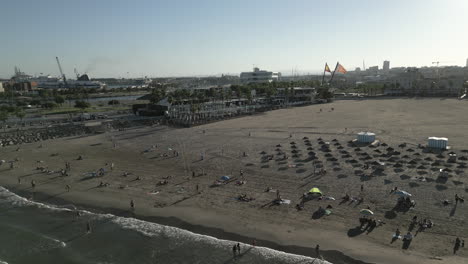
{"x": 365, "y": 137}
{"x": 438, "y": 143}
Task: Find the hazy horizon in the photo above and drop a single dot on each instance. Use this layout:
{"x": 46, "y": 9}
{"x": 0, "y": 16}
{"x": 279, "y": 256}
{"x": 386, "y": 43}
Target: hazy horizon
{"x": 182, "y": 38}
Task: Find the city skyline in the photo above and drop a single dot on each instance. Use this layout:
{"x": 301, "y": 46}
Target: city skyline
{"x": 181, "y": 38}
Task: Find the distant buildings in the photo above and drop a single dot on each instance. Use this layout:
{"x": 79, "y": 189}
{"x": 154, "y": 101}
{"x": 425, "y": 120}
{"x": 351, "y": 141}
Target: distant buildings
{"x": 258, "y": 75}
{"x": 1, "y": 88}
{"x": 373, "y": 70}
{"x": 386, "y": 66}
{"x": 409, "y": 81}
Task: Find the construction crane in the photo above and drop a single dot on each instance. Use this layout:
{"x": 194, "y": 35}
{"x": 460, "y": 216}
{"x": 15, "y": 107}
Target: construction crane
{"x": 61, "y": 72}
{"x": 437, "y": 62}
{"x": 77, "y": 74}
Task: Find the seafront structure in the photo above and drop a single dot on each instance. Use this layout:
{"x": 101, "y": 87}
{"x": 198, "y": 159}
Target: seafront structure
{"x": 258, "y": 75}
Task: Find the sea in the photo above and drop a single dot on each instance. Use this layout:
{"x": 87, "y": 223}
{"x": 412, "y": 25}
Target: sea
{"x": 33, "y": 232}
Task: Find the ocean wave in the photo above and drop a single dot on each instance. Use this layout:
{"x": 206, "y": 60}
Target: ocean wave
{"x": 150, "y": 229}
{"x": 183, "y": 236}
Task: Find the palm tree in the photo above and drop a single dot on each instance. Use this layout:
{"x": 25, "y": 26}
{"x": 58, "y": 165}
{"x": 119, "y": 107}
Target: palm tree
{"x": 3, "y": 118}
{"x": 20, "y": 114}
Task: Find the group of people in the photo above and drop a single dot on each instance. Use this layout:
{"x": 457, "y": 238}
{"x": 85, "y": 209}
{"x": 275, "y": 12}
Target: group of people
{"x": 369, "y": 223}
{"x": 236, "y": 250}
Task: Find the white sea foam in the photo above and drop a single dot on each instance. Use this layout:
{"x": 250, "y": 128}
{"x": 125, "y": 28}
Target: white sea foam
{"x": 176, "y": 234}
{"x": 150, "y": 229}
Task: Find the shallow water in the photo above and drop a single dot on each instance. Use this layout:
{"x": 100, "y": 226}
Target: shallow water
{"x": 39, "y": 233}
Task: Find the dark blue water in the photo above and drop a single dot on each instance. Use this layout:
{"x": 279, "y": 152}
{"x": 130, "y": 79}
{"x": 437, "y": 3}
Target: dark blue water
{"x": 39, "y": 233}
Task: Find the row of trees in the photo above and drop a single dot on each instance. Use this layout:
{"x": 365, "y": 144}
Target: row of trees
{"x": 267, "y": 90}
{"x": 7, "y": 111}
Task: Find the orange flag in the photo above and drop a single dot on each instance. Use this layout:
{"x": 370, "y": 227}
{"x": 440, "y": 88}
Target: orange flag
{"x": 327, "y": 69}
{"x": 341, "y": 69}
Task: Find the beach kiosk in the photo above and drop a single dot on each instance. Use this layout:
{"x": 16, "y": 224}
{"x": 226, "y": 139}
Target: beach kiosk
{"x": 437, "y": 142}
{"x": 365, "y": 137}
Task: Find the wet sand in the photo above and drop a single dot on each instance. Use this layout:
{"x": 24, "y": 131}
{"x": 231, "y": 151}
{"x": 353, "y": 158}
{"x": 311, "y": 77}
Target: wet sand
{"x": 223, "y": 143}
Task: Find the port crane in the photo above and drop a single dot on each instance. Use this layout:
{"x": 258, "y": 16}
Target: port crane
{"x": 61, "y": 72}
{"x": 77, "y": 74}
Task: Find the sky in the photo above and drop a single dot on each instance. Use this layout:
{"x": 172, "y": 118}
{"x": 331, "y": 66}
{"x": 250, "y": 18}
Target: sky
{"x": 120, "y": 38}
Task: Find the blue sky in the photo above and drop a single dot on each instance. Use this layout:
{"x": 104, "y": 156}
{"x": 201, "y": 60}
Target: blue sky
{"x": 117, "y": 38}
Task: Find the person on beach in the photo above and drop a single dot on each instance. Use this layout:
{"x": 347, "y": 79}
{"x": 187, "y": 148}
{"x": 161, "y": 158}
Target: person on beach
{"x": 457, "y": 245}
{"x": 19, "y": 180}
{"x": 317, "y": 250}
{"x": 132, "y": 205}
{"x": 112, "y": 166}
{"x": 238, "y": 249}
{"x": 68, "y": 187}
{"x": 88, "y": 227}
{"x": 33, "y": 184}
{"x": 234, "y": 250}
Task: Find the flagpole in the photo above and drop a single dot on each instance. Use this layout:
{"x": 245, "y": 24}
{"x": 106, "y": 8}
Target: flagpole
{"x": 333, "y": 74}
{"x": 324, "y": 70}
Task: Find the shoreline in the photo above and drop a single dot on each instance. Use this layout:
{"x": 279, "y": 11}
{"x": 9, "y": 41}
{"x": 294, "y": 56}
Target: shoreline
{"x": 333, "y": 256}
{"x": 215, "y": 211}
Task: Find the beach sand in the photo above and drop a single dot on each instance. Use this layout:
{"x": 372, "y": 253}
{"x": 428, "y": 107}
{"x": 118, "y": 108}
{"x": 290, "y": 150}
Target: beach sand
{"x": 216, "y": 211}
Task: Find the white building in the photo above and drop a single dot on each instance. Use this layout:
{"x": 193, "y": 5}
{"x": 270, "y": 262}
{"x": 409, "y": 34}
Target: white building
{"x": 258, "y": 75}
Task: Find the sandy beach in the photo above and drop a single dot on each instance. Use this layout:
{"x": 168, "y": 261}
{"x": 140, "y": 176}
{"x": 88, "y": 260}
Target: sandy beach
{"x": 169, "y": 173}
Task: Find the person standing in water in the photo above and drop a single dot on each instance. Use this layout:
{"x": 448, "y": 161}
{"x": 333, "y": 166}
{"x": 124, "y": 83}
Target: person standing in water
{"x": 132, "y": 205}
{"x": 234, "y": 250}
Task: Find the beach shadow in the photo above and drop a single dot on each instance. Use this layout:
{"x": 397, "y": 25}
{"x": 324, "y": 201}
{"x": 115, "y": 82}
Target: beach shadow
{"x": 457, "y": 182}
{"x": 183, "y": 199}
{"x": 441, "y": 187}
{"x": 96, "y": 144}
{"x": 441, "y": 180}
{"x": 387, "y": 181}
{"x": 413, "y": 185}
{"x": 318, "y": 214}
{"x": 249, "y": 164}
{"x": 365, "y": 177}
{"x": 301, "y": 170}
{"x": 87, "y": 178}
{"x": 406, "y": 244}
{"x": 404, "y": 177}
{"x": 356, "y": 231}
{"x": 342, "y": 176}
{"x": 454, "y": 209}
{"x": 390, "y": 214}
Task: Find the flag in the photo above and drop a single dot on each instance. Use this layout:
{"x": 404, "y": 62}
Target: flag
{"x": 341, "y": 69}
{"x": 327, "y": 69}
